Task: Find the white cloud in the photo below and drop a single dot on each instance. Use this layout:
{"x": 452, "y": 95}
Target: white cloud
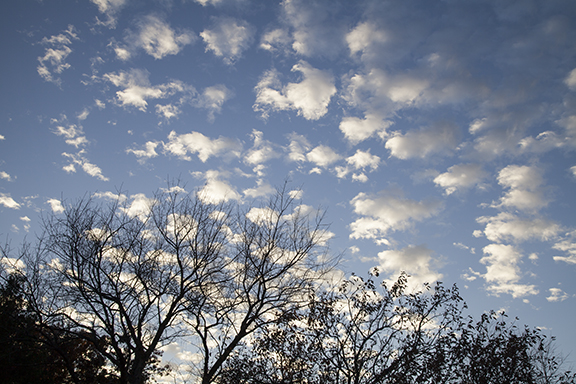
{"x": 228, "y": 38}
{"x": 356, "y": 130}
{"x": 377, "y": 90}
{"x": 157, "y": 38}
{"x": 4, "y": 175}
{"x": 568, "y": 245}
{"x": 2, "y": 137}
{"x": 556, "y": 294}
{"x": 520, "y": 177}
{"x": 120, "y": 197}
{"x": 460, "y": 176}
{"x": 310, "y": 97}
{"x": 110, "y": 8}
{"x": 148, "y": 152}
{"x": 139, "y": 207}
{"x": 56, "y": 205}
{"x": 502, "y": 271}
{"x": 80, "y": 160}
{"x": 204, "y": 147}
{"x": 508, "y": 227}
{"x": 262, "y": 189}
{"x": 277, "y": 39}
{"x": 12, "y": 265}
{"x": 167, "y": 111}
{"x": 213, "y": 98}
{"x": 261, "y": 151}
{"x": 315, "y": 32}
{"x": 298, "y": 147}
{"x": 417, "y": 261}
{"x": 363, "y": 36}
{"x": 387, "y": 212}
{"x": 570, "y": 80}
{"x": 72, "y": 133}
{"x": 363, "y": 159}
{"x": 216, "y": 190}
{"x": 323, "y": 156}
{"x": 441, "y": 138}
{"x": 8, "y": 201}
{"x": 524, "y": 184}
{"x": 136, "y": 88}
{"x": 54, "y": 59}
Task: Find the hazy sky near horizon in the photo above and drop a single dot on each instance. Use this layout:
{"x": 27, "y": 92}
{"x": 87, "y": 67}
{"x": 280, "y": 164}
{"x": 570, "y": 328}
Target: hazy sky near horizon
{"x": 439, "y": 135}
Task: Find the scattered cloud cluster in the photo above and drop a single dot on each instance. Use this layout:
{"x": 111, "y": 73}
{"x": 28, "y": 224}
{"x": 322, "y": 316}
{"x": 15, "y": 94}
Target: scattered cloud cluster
{"x": 57, "y": 50}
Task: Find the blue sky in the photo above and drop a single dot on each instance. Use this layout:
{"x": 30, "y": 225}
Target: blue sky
{"x": 439, "y": 135}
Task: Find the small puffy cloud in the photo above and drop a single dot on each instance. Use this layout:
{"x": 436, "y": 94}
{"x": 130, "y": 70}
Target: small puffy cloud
{"x": 417, "y": 261}
{"x": 155, "y": 36}
{"x": 524, "y": 184}
{"x": 520, "y": 177}
{"x": 136, "y": 88}
{"x": 388, "y": 212}
{"x": 277, "y": 39}
{"x": 261, "y": 151}
{"x": 2, "y": 137}
{"x": 4, "y": 175}
{"x": 204, "y": 147}
{"x": 110, "y": 8}
{"x": 310, "y": 97}
{"x": 570, "y": 80}
{"x": 262, "y": 189}
{"x": 120, "y": 197}
{"x": 556, "y": 294}
{"x": 440, "y": 138}
{"x": 356, "y": 130}
{"x": 228, "y": 38}
{"x": 363, "y": 159}
{"x": 573, "y": 170}
{"x": 363, "y": 36}
{"x": 568, "y": 245}
{"x": 460, "y": 177}
{"x": 80, "y": 160}
{"x": 376, "y": 89}
{"x": 8, "y": 201}
{"x": 212, "y": 99}
{"x": 503, "y": 272}
{"x": 54, "y": 59}
{"x": 72, "y": 133}
{"x": 216, "y": 190}
{"x": 508, "y": 227}
{"x": 139, "y": 207}
{"x": 55, "y": 205}
{"x": 315, "y": 31}
{"x": 323, "y": 156}
{"x": 149, "y": 151}
{"x": 298, "y": 147}
{"x": 167, "y": 111}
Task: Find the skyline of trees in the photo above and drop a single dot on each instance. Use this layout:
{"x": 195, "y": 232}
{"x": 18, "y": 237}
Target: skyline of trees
{"x": 106, "y": 286}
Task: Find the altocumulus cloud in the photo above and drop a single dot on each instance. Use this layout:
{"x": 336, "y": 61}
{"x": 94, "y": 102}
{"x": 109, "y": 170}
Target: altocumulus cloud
{"x": 310, "y": 97}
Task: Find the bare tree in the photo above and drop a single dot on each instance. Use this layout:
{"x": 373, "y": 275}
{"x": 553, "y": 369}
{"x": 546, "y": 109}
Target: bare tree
{"x": 131, "y": 280}
{"x": 275, "y": 258}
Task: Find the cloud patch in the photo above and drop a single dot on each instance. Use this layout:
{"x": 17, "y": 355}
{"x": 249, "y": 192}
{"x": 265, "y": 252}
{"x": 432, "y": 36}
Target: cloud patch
{"x": 228, "y": 38}
{"x": 460, "y": 177}
{"x": 388, "y": 212}
{"x": 503, "y": 271}
{"x": 53, "y": 63}
{"x": 310, "y": 97}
